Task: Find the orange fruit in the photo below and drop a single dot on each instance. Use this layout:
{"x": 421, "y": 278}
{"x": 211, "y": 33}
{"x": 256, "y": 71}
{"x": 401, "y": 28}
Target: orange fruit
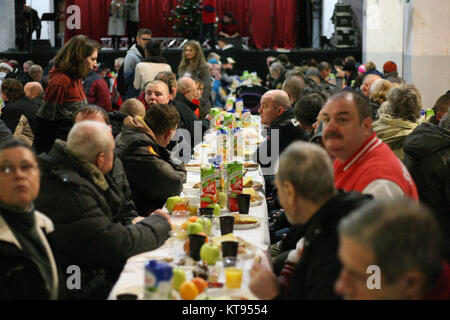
{"x": 186, "y": 246}
{"x": 193, "y": 219}
{"x": 185, "y": 224}
{"x": 180, "y": 207}
{"x": 200, "y": 283}
{"x": 188, "y": 290}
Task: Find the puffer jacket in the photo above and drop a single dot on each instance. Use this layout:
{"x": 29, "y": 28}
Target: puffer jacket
{"x": 427, "y": 157}
{"x": 20, "y": 277}
{"x": 152, "y": 174}
{"x": 87, "y": 208}
{"x": 393, "y": 132}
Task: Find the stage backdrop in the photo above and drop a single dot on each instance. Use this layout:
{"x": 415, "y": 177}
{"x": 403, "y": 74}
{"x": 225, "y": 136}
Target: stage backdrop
{"x": 269, "y": 23}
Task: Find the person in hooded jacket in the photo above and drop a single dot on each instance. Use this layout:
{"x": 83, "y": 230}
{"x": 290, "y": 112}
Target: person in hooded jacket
{"x": 150, "y": 170}
{"x": 427, "y": 157}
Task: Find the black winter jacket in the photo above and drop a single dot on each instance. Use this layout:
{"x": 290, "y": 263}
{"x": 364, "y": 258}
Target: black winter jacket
{"x": 289, "y": 131}
{"x": 20, "y": 277}
{"x": 14, "y": 109}
{"x": 427, "y": 157}
{"x": 319, "y": 266}
{"x": 92, "y": 229}
{"x": 152, "y": 175}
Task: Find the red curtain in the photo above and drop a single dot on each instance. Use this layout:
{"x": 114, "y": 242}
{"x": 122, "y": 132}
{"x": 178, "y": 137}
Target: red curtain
{"x": 269, "y": 23}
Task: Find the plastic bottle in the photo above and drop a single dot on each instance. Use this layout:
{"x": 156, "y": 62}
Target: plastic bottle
{"x": 158, "y": 281}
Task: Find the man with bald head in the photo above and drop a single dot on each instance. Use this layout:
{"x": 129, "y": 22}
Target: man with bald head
{"x": 186, "y": 91}
{"x": 156, "y": 92}
{"x": 277, "y": 116}
{"x": 293, "y": 86}
{"x": 35, "y": 92}
{"x": 367, "y": 83}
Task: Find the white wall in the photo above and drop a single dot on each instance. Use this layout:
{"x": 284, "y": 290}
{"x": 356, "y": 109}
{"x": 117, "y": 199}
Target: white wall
{"x": 427, "y": 47}
{"x": 327, "y": 13}
{"x": 415, "y": 36}
{"x": 383, "y": 32}
{"x": 7, "y": 25}
{"x": 44, "y": 6}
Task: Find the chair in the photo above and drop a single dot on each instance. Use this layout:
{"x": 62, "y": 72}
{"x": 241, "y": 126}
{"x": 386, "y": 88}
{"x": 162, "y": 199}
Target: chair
{"x": 251, "y": 95}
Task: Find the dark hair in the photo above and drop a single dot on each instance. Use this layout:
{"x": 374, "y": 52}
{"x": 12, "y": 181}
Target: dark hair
{"x": 13, "y": 143}
{"x": 228, "y": 14}
{"x": 153, "y": 48}
{"x": 307, "y": 108}
{"x": 12, "y": 89}
{"x": 443, "y": 103}
{"x": 168, "y": 78}
{"x": 361, "y": 102}
{"x": 71, "y": 58}
{"x": 313, "y": 87}
{"x": 143, "y": 31}
{"x": 161, "y": 118}
{"x": 283, "y": 58}
{"x": 91, "y": 109}
{"x": 338, "y": 62}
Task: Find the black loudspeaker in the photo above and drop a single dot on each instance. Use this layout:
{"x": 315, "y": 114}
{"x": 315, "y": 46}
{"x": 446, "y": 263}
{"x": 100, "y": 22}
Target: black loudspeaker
{"x": 41, "y": 46}
{"x": 346, "y": 37}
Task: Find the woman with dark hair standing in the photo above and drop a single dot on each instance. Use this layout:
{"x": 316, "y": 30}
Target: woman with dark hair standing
{"x": 65, "y": 93}
{"x": 193, "y": 64}
{"x": 153, "y": 64}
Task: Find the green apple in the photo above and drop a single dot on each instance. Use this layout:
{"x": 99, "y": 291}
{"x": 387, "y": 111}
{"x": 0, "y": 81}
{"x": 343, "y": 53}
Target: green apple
{"x": 210, "y": 253}
{"x": 194, "y": 228}
{"x": 179, "y": 276}
{"x": 216, "y": 209}
{"x": 172, "y": 202}
{"x": 207, "y": 225}
{"x": 223, "y": 199}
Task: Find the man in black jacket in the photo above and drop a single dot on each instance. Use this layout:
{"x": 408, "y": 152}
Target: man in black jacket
{"x": 186, "y": 91}
{"x": 152, "y": 174}
{"x": 312, "y": 201}
{"x": 277, "y": 116}
{"x": 83, "y": 201}
{"x": 16, "y": 105}
{"x": 427, "y": 157}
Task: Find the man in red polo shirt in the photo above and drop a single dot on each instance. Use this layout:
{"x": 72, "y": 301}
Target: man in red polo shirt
{"x": 363, "y": 162}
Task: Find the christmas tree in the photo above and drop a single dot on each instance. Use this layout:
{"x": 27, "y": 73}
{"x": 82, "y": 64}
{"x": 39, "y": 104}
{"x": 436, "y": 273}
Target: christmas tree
{"x": 186, "y": 18}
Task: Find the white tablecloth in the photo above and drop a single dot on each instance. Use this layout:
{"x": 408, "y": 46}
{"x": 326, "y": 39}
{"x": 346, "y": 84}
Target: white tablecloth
{"x": 131, "y": 279}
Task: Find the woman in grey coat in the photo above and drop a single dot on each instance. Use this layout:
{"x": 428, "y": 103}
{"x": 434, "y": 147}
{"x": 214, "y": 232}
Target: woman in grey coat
{"x": 116, "y": 25}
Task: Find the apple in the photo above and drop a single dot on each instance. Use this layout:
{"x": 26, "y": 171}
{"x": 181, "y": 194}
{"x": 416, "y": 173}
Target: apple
{"x": 210, "y": 253}
{"x": 207, "y": 225}
{"x": 172, "y": 202}
{"x": 179, "y": 276}
{"x": 194, "y": 228}
{"x": 216, "y": 207}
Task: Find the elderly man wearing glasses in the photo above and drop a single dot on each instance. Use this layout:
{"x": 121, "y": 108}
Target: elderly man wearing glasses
{"x": 27, "y": 266}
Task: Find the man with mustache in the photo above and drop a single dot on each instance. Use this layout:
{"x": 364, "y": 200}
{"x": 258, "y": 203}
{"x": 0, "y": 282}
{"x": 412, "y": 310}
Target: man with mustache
{"x": 363, "y": 162}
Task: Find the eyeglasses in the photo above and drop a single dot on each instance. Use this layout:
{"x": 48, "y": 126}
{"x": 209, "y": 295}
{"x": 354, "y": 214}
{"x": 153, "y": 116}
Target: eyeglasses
{"x": 146, "y": 39}
{"x": 26, "y": 168}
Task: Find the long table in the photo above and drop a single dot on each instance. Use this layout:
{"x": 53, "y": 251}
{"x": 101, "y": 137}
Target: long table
{"x": 131, "y": 279}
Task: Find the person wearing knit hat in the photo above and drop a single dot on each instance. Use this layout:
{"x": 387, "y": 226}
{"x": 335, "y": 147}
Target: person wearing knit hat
{"x": 390, "y": 70}
{"x": 4, "y": 66}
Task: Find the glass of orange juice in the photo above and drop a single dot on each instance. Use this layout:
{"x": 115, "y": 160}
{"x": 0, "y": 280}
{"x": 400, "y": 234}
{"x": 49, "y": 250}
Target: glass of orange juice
{"x": 233, "y": 277}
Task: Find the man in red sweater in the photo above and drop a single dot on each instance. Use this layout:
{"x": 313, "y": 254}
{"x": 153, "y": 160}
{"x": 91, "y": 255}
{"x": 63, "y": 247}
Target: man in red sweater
{"x": 96, "y": 88}
{"x": 363, "y": 162}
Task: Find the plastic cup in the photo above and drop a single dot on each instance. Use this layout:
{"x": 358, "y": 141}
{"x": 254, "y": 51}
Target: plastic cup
{"x": 195, "y": 243}
{"x": 226, "y": 224}
{"x": 206, "y": 211}
{"x": 243, "y": 203}
{"x": 229, "y": 248}
{"x": 127, "y": 296}
{"x": 233, "y": 277}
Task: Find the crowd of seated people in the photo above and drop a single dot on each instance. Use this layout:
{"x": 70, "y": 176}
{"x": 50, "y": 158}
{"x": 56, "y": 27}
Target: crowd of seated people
{"x": 349, "y": 162}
